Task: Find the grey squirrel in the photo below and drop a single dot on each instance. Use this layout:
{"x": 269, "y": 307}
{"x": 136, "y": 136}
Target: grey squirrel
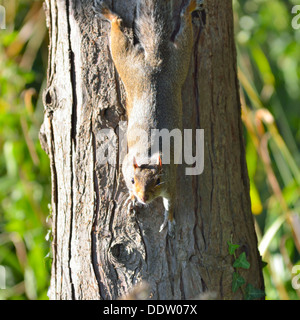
{"x": 153, "y": 73}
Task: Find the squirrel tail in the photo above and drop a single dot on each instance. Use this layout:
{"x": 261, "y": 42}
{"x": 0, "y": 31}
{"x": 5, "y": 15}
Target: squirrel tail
{"x": 153, "y": 25}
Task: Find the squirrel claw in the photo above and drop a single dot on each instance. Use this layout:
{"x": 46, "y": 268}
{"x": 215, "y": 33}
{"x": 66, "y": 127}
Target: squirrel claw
{"x": 171, "y": 227}
{"x": 130, "y": 204}
{"x": 162, "y": 227}
{"x": 130, "y": 207}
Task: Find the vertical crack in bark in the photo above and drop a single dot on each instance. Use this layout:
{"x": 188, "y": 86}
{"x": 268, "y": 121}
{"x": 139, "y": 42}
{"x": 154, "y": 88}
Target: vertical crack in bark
{"x": 51, "y": 151}
{"x": 169, "y": 256}
{"x": 94, "y": 256}
{"x": 182, "y": 286}
{"x": 73, "y": 138}
{"x": 196, "y": 78}
{"x": 54, "y": 203}
{"x": 231, "y": 207}
{"x": 113, "y": 270}
{"x": 197, "y": 105}
{"x": 47, "y": 9}
{"x": 221, "y": 285}
{"x": 210, "y": 200}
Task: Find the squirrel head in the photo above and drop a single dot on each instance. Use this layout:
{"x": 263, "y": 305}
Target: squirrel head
{"x": 147, "y": 181}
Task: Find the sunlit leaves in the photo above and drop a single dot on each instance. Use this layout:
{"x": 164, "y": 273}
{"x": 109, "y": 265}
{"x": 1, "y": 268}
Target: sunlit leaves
{"x": 24, "y": 167}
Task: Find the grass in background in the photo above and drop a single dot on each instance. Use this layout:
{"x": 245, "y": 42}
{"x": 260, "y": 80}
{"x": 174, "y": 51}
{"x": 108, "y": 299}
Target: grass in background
{"x": 24, "y": 167}
{"x": 269, "y": 73}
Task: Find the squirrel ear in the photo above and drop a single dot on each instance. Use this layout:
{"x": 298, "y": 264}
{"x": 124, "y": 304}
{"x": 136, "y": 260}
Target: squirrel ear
{"x": 135, "y": 165}
{"x": 159, "y": 162}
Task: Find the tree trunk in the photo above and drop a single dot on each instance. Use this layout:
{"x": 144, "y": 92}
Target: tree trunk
{"x": 99, "y": 249}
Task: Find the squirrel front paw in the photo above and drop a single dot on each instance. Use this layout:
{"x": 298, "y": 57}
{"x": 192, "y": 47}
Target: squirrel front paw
{"x": 171, "y": 229}
{"x": 130, "y": 203}
{"x": 162, "y": 227}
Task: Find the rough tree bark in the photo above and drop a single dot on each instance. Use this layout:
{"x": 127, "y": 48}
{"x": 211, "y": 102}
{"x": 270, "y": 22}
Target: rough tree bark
{"x": 99, "y": 250}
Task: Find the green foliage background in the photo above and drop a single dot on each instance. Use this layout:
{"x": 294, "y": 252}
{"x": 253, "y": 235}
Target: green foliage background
{"x": 24, "y": 166}
{"x": 269, "y": 72}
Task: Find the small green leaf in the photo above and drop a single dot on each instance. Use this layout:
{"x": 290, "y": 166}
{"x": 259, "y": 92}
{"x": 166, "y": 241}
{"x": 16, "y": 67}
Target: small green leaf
{"x": 237, "y": 281}
{"x": 232, "y": 247}
{"x": 252, "y": 293}
{"x": 241, "y": 262}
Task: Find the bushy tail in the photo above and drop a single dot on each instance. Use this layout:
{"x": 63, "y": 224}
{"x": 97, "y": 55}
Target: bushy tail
{"x": 154, "y": 25}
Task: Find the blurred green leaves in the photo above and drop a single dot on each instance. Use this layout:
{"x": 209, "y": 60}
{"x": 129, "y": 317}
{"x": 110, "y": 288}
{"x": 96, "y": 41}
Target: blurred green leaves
{"x": 24, "y": 167}
{"x": 269, "y": 73}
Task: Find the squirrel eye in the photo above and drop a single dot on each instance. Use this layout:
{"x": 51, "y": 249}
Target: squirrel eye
{"x": 132, "y": 181}
{"x": 158, "y": 181}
